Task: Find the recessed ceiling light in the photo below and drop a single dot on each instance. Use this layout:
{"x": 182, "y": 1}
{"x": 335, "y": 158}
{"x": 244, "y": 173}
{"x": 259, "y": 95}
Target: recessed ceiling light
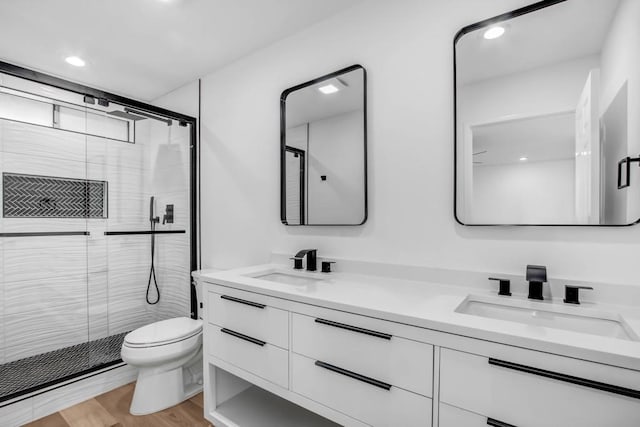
{"x": 75, "y": 61}
{"x": 524, "y": 159}
{"x": 327, "y": 89}
{"x": 493, "y": 33}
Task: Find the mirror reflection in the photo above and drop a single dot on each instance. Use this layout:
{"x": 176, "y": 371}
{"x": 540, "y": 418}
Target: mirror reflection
{"x": 323, "y": 150}
{"x": 547, "y": 108}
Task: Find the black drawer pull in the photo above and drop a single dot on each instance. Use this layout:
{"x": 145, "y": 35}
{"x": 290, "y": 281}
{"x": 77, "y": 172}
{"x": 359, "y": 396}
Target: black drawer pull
{"x": 354, "y": 329}
{"x": 496, "y": 423}
{"x": 243, "y": 337}
{"x": 567, "y": 378}
{"x": 242, "y": 301}
{"x": 353, "y": 375}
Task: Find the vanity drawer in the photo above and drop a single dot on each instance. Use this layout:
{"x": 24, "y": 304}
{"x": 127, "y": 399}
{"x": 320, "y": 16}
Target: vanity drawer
{"x": 358, "y": 398}
{"x": 257, "y": 357}
{"x": 450, "y": 416}
{"x": 248, "y": 315}
{"x": 398, "y": 361}
{"x": 539, "y": 396}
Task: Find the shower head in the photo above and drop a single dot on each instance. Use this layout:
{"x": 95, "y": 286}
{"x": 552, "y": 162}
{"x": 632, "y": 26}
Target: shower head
{"x": 125, "y": 115}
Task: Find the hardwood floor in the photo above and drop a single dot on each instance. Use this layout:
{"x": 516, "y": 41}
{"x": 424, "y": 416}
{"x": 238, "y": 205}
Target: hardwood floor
{"x": 112, "y": 410}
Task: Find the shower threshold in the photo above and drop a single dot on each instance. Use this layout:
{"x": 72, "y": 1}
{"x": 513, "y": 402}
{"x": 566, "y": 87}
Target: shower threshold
{"x": 44, "y": 370}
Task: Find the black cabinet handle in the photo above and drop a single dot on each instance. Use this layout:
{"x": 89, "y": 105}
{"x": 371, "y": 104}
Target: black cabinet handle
{"x": 353, "y": 375}
{"x": 496, "y": 423}
{"x": 243, "y": 337}
{"x": 242, "y": 301}
{"x": 354, "y": 329}
{"x": 623, "y": 391}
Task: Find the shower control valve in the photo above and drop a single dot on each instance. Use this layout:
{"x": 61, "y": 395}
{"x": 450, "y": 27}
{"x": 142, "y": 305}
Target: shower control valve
{"x": 167, "y": 218}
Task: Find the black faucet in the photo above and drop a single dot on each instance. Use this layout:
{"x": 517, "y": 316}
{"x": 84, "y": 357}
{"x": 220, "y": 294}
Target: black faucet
{"x": 311, "y": 259}
{"x": 536, "y": 276}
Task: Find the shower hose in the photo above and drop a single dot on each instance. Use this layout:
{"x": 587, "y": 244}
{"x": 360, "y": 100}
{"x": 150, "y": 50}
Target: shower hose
{"x": 152, "y": 272}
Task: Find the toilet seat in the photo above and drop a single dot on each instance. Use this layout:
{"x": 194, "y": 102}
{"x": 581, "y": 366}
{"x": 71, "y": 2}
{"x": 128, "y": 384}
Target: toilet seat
{"x": 164, "y": 332}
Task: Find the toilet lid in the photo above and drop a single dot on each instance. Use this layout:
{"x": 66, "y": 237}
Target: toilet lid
{"x": 164, "y": 332}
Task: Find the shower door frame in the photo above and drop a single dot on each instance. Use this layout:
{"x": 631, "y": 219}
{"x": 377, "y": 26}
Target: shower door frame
{"x": 194, "y": 200}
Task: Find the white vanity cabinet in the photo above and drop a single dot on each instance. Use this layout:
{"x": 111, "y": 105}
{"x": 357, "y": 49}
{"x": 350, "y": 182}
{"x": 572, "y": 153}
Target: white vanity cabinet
{"x": 246, "y": 332}
{"x": 372, "y": 404}
{"x": 516, "y": 387}
{"x": 354, "y": 370}
{"x": 360, "y": 367}
{"x": 250, "y": 316}
{"x": 274, "y": 361}
{"x": 450, "y": 416}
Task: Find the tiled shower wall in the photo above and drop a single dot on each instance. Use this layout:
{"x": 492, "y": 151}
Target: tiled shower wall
{"x": 57, "y": 291}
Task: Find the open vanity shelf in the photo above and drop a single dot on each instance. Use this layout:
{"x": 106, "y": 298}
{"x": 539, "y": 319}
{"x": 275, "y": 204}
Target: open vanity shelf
{"x": 266, "y": 409}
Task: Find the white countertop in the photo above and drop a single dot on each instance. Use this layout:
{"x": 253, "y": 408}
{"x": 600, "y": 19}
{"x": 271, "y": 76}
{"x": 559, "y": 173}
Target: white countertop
{"x": 432, "y": 306}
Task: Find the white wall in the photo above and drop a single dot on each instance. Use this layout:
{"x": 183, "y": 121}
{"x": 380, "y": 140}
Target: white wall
{"x": 620, "y": 64}
{"x": 406, "y": 47}
{"x": 183, "y": 100}
{"x": 336, "y": 150}
{"x": 530, "y": 93}
{"x": 540, "y": 91}
{"x": 521, "y": 193}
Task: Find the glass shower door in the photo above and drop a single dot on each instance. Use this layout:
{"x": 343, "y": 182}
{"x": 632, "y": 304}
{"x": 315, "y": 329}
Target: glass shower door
{"x": 44, "y": 233}
{"x": 76, "y": 178}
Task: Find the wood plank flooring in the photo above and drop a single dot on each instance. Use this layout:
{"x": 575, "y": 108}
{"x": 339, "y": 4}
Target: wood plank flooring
{"x": 112, "y": 410}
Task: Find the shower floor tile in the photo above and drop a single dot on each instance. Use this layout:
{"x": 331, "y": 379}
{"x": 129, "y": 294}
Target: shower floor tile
{"x": 32, "y": 373}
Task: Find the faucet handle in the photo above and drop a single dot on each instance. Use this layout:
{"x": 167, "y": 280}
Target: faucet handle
{"x": 572, "y": 293}
{"x": 505, "y": 286}
{"x": 326, "y": 266}
{"x": 297, "y": 262}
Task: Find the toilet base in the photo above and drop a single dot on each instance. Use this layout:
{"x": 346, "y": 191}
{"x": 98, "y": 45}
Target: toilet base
{"x": 157, "y": 390}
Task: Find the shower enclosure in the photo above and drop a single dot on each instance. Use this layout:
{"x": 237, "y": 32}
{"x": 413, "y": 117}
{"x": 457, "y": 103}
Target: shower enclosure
{"x": 78, "y": 168}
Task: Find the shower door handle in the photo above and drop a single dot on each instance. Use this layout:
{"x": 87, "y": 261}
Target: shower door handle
{"x": 46, "y": 233}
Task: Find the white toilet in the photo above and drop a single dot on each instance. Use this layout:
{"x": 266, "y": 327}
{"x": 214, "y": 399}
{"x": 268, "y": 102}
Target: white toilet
{"x": 168, "y": 355}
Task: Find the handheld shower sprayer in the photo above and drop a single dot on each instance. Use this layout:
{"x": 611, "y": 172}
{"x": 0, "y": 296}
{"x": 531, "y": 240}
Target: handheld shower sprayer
{"x": 152, "y": 272}
{"x": 153, "y": 219}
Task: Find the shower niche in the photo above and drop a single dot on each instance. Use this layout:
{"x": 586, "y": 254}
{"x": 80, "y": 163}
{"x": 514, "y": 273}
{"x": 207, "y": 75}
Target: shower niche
{"x": 34, "y": 196}
{"x": 78, "y": 168}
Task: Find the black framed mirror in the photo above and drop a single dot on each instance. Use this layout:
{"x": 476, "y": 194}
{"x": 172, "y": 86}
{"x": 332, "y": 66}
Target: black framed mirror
{"x": 323, "y": 150}
{"x": 547, "y": 101}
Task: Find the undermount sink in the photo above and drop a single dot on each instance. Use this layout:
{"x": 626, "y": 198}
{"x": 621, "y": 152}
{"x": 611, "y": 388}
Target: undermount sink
{"x": 558, "y": 317}
{"x": 287, "y": 278}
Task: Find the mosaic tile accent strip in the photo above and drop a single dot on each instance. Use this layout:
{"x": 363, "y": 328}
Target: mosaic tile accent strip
{"x": 34, "y": 196}
{"x": 31, "y": 373}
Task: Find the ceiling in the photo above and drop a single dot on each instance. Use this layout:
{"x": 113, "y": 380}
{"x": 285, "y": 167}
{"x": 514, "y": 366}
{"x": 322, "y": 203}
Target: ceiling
{"x": 308, "y": 104}
{"x": 146, "y": 48}
{"x": 574, "y": 29}
{"x": 539, "y": 139}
